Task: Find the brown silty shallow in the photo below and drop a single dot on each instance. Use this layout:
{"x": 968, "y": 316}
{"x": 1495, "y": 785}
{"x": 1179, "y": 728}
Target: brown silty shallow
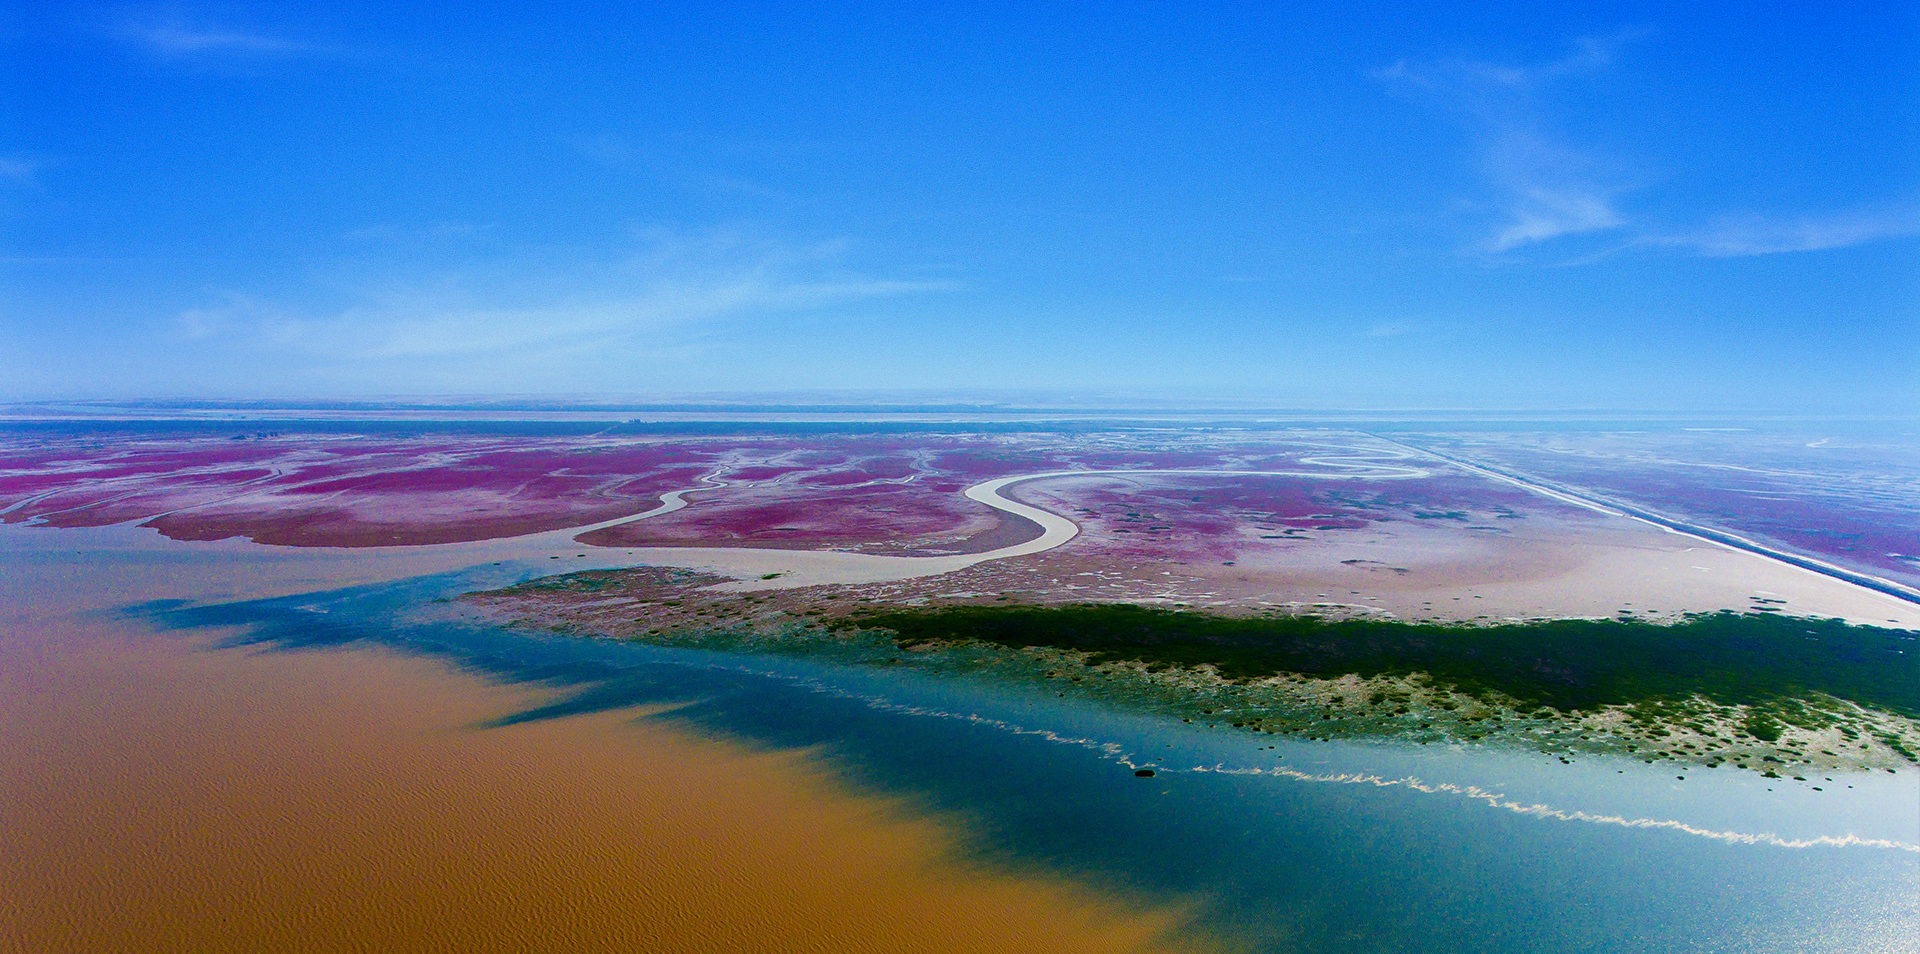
{"x": 159, "y": 794}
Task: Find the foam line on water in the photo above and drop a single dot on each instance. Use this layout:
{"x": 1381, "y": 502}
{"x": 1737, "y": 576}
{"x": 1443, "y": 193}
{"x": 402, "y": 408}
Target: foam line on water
{"x": 1117, "y": 753}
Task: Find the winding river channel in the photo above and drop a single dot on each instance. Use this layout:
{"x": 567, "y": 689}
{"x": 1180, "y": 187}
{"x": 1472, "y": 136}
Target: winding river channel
{"x": 790, "y": 569}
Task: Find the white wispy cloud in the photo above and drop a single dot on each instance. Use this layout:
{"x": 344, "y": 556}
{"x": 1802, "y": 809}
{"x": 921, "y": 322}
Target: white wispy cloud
{"x": 171, "y": 34}
{"x": 1537, "y": 213}
{"x": 180, "y": 40}
{"x": 1547, "y": 191}
{"x": 1542, "y": 187}
{"x": 1589, "y": 54}
{"x": 1751, "y": 234}
{"x": 638, "y": 306}
{"x": 1469, "y": 82}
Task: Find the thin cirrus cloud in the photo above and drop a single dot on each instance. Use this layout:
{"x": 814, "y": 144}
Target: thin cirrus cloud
{"x": 1538, "y": 213}
{"x": 174, "y": 37}
{"x": 1546, "y": 190}
{"x": 1543, "y": 189}
{"x": 410, "y": 325}
{"x": 1474, "y": 85}
{"x": 1735, "y": 236}
{"x": 457, "y": 331}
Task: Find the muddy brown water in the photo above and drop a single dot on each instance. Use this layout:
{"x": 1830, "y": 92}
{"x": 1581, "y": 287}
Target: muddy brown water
{"x": 158, "y": 793}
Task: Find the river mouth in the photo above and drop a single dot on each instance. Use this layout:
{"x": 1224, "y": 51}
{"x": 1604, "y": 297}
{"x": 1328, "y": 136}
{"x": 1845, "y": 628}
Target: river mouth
{"x": 1264, "y": 843}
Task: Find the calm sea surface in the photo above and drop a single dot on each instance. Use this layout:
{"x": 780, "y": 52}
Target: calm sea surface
{"x": 1015, "y": 796}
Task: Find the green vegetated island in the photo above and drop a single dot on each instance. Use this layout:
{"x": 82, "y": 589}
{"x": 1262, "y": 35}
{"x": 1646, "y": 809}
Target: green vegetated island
{"x": 1765, "y": 692}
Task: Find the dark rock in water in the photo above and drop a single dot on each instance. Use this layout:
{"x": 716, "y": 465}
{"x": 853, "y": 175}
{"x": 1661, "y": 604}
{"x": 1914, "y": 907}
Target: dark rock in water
{"x": 1143, "y": 773}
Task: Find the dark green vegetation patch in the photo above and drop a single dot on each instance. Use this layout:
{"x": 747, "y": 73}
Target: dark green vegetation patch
{"x": 1733, "y": 659}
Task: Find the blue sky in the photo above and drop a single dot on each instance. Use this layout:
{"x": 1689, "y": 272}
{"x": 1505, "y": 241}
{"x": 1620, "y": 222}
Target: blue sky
{"x": 1535, "y": 205}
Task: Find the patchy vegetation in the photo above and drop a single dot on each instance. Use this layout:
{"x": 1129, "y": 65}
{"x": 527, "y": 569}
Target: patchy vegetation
{"x": 1573, "y": 664}
{"x": 1753, "y": 691}
{"x": 1764, "y": 692}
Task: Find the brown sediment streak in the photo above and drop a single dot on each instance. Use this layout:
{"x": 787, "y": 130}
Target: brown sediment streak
{"x": 157, "y": 796}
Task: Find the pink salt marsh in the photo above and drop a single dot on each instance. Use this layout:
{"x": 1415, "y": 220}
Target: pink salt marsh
{"x": 1306, "y": 520}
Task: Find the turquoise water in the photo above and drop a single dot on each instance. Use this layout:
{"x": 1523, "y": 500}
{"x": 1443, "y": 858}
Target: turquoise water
{"x": 1291, "y": 846}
